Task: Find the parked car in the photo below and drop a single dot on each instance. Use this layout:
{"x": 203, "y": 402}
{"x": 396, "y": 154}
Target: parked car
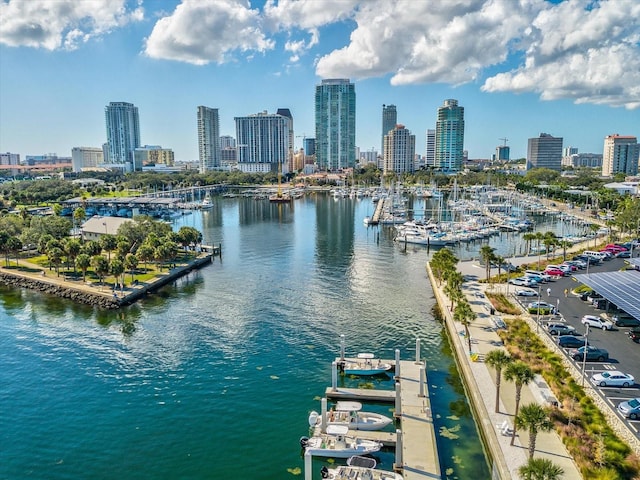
{"x": 561, "y": 329}
{"x": 584, "y": 296}
{"x": 634, "y": 334}
{"x": 626, "y": 322}
{"x": 571, "y": 267}
{"x": 522, "y": 281}
{"x": 535, "y": 278}
{"x": 613, "y": 378}
{"x": 577, "y": 263}
{"x": 525, "y": 292}
{"x": 505, "y": 267}
{"x": 554, "y": 272}
{"x": 596, "y": 322}
{"x": 625, "y": 254}
{"x": 630, "y": 408}
{"x": 571, "y": 341}
{"x": 592, "y": 353}
{"x": 541, "y": 305}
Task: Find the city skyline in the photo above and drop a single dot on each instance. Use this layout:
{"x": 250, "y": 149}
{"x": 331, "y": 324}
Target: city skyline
{"x": 567, "y": 68}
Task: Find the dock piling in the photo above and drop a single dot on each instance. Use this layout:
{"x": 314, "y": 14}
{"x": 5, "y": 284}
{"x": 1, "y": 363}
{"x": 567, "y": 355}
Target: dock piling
{"x": 334, "y": 376}
{"x": 398, "y": 465}
{"x": 397, "y": 375}
{"x": 308, "y": 473}
{"x": 417, "y": 350}
{"x": 342, "y": 347}
{"x": 423, "y": 380}
{"x": 398, "y": 410}
{"x": 323, "y": 415}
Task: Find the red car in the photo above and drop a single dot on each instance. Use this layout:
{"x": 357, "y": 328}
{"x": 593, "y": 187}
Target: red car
{"x": 554, "y": 272}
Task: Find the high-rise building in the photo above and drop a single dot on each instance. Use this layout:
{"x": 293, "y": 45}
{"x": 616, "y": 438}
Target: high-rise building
{"x": 568, "y": 151}
{"x": 264, "y": 142}
{"x": 227, "y": 141}
{"x": 620, "y": 155}
{"x": 153, "y": 155}
{"x": 335, "y": 115}
{"x": 86, "y": 157}
{"x": 502, "y": 153}
{"x": 450, "y": 137}
{"x": 399, "y": 150}
{"x": 208, "y": 138}
{"x": 9, "y": 158}
{"x": 430, "y": 153}
{"x": 123, "y": 134}
{"x": 309, "y": 145}
{"x": 544, "y": 151}
{"x": 389, "y": 121}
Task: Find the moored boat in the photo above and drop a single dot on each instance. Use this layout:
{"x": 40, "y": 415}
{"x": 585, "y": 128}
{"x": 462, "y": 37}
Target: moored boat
{"x": 363, "y": 364}
{"x": 337, "y": 444}
{"x": 351, "y": 415}
{"x": 358, "y": 468}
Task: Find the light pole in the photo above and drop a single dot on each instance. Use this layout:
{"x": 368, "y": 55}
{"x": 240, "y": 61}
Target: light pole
{"x": 584, "y": 355}
{"x": 538, "y": 314}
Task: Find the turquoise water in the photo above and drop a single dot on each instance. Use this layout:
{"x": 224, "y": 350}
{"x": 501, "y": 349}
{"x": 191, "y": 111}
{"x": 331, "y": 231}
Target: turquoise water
{"x": 214, "y": 376}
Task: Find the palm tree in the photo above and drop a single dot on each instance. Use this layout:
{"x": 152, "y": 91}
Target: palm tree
{"x": 529, "y": 237}
{"x": 83, "y": 261}
{"x": 131, "y": 262}
{"x": 539, "y": 238}
{"x": 464, "y": 315}
{"x": 594, "y": 227}
{"x": 498, "y": 359}
{"x": 564, "y": 244}
{"x": 452, "y": 288}
{"x": 540, "y": 469}
{"x": 108, "y": 243}
{"x": 521, "y": 374}
{"x": 535, "y": 419}
{"x": 487, "y": 255}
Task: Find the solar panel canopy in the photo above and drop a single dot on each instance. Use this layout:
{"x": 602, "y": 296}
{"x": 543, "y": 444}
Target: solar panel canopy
{"x": 620, "y": 288}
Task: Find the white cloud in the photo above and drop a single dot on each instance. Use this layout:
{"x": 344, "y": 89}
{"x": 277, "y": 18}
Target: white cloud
{"x": 203, "y": 31}
{"x": 308, "y": 14}
{"x": 588, "y": 55}
{"x": 62, "y": 23}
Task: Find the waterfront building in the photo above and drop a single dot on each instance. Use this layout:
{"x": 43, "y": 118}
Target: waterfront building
{"x": 430, "y": 153}
{"x": 86, "y": 157}
{"x": 123, "y": 134}
{"x": 8, "y": 161}
{"x": 449, "y": 154}
{"x": 389, "y": 121}
{"x": 568, "y": 151}
{"x": 309, "y": 145}
{"x": 544, "y": 151}
{"x": 208, "y": 138}
{"x": 264, "y": 142}
{"x": 153, "y": 155}
{"x": 620, "y": 154}
{"x": 229, "y": 155}
{"x": 335, "y": 120}
{"x": 285, "y": 112}
{"x": 227, "y": 141}
{"x": 399, "y": 150}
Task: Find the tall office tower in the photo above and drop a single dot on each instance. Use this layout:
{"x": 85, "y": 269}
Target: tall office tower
{"x": 399, "y": 150}
{"x": 9, "y": 158}
{"x": 620, "y": 155}
{"x": 263, "y": 142}
{"x": 568, "y": 151}
{"x": 335, "y": 105}
{"x": 309, "y": 145}
{"x": 123, "y": 133}
{"x": 208, "y": 138}
{"x": 502, "y": 153}
{"x": 450, "y": 137}
{"x": 285, "y": 112}
{"x": 86, "y": 157}
{"x": 153, "y": 155}
{"x": 227, "y": 141}
{"x": 544, "y": 151}
{"x": 389, "y": 121}
{"x": 430, "y": 153}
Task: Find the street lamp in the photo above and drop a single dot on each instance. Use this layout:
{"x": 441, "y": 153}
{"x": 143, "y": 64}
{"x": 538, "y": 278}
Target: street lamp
{"x": 538, "y": 314}
{"x": 584, "y": 355}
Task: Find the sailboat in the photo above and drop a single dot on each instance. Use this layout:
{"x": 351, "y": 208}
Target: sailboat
{"x": 280, "y": 196}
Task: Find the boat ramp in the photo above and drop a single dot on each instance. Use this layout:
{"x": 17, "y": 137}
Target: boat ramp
{"x": 415, "y": 439}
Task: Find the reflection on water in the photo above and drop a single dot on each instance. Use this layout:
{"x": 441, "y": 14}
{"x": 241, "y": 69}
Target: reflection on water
{"x": 194, "y": 381}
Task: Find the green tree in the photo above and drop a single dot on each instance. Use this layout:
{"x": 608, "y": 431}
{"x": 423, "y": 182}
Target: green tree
{"x": 533, "y": 418}
{"x": 57, "y": 209}
{"x": 160, "y": 254}
{"x": 564, "y": 244}
{"x": 498, "y": 359}
{"x": 540, "y": 469}
{"x": 72, "y": 248}
{"x": 83, "y": 261}
{"x": 108, "y": 243}
{"x": 442, "y": 262}
{"x": 79, "y": 214}
{"x": 146, "y": 253}
{"x": 528, "y": 238}
{"x": 539, "y": 238}
{"x": 520, "y": 374}
{"x": 55, "y": 255}
{"x": 100, "y": 266}
{"x": 465, "y": 315}
{"x": 131, "y": 263}
{"x": 452, "y": 287}
{"x": 488, "y": 256}
{"x": 188, "y": 236}
{"x": 14, "y": 245}
{"x": 117, "y": 270}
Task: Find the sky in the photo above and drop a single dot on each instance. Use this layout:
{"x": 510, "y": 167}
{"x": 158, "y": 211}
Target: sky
{"x": 519, "y": 68}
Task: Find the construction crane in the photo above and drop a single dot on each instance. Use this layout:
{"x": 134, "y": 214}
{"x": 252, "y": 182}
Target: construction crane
{"x": 304, "y": 137}
{"x": 505, "y": 140}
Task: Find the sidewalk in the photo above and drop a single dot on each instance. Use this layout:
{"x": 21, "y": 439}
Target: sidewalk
{"x": 480, "y": 380}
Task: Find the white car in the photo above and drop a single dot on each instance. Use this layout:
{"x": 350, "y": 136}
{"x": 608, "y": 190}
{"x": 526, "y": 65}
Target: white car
{"x": 613, "y": 379}
{"x": 524, "y": 292}
{"x": 522, "y": 281}
{"x": 597, "y": 322}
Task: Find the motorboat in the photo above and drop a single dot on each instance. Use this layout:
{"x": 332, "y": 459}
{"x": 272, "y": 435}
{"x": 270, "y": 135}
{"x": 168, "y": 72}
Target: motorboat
{"x": 207, "y": 202}
{"x": 351, "y": 414}
{"x": 363, "y": 364}
{"x": 358, "y": 468}
{"x": 336, "y": 443}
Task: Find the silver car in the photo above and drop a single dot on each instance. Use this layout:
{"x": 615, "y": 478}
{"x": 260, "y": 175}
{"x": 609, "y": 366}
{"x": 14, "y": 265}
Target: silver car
{"x": 630, "y": 409}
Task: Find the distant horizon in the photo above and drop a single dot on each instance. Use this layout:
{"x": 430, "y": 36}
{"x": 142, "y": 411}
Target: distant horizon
{"x": 548, "y": 69}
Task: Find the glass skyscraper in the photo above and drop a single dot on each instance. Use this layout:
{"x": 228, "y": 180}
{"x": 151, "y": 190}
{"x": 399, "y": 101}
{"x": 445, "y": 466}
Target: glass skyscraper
{"x": 544, "y": 151}
{"x": 449, "y": 137}
{"x": 264, "y": 142}
{"x": 335, "y": 106}
{"x": 123, "y": 134}
{"x": 208, "y": 138}
{"x": 389, "y": 121}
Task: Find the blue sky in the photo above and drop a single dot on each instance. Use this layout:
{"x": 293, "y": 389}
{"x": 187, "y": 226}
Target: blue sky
{"x": 519, "y": 67}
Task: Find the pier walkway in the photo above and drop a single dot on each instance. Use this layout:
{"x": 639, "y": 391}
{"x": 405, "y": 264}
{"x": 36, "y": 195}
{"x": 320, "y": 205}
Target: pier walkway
{"x": 417, "y": 454}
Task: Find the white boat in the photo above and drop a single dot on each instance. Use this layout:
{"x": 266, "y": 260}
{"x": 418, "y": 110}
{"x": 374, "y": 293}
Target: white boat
{"x": 207, "y": 202}
{"x": 351, "y": 415}
{"x": 364, "y": 364}
{"x": 337, "y": 444}
{"x": 358, "y": 468}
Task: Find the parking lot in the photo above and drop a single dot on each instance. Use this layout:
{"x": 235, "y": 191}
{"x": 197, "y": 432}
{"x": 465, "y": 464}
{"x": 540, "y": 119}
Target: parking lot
{"x": 624, "y": 354}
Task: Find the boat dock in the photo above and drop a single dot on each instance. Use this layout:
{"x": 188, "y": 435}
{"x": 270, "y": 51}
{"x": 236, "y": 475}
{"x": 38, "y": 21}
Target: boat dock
{"x": 375, "y": 219}
{"x": 415, "y": 439}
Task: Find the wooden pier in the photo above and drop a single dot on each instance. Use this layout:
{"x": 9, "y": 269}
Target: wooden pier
{"x": 375, "y": 219}
{"x": 417, "y": 455}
